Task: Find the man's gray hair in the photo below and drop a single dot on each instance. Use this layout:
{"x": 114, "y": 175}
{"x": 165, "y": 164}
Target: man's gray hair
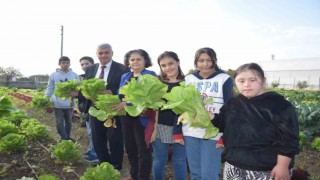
{"x": 104, "y": 46}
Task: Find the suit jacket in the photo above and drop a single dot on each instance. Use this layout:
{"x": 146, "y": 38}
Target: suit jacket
{"x": 113, "y": 81}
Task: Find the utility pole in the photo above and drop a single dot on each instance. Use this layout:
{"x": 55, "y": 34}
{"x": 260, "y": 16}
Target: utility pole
{"x": 61, "y": 40}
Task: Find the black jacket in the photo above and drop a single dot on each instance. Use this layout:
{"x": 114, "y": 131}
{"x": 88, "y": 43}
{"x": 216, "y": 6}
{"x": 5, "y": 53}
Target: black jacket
{"x": 256, "y": 130}
{"x": 82, "y": 101}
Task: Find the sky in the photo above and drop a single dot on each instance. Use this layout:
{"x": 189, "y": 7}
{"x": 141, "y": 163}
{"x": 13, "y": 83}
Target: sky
{"x": 240, "y": 31}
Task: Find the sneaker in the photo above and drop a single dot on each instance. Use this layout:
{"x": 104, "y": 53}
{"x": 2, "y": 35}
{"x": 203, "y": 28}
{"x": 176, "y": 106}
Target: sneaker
{"x": 89, "y": 157}
{"x": 94, "y": 162}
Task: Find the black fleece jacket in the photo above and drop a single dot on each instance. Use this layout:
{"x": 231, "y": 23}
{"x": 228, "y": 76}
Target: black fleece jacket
{"x": 257, "y": 130}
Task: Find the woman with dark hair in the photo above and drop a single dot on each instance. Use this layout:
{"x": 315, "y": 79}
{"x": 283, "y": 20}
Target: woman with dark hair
{"x": 204, "y": 155}
{"x": 139, "y": 154}
{"x": 261, "y": 132}
{"x": 167, "y": 131}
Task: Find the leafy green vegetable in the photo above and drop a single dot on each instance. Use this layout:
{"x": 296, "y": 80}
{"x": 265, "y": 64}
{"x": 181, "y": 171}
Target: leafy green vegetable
{"x": 63, "y": 89}
{"x": 6, "y": 106}
{"x": 101, "y": 172}
{"x": 7, "y": 127}
{"x": 47, "y": 177}
{"x": 16, "y": 117}
{"x": 145, "y": 93}
{"x": 26, "y": 122}
{"x": 186, "y": 101}
{"x": 36, "y": 131}
{"x": 41, "y": 101}
{"x": 91, "y": 88}
{"x": 302, "y": 140}
{"x": 103, "y": 103}
{"x": 66, "y": 152}
{"x": 316, "y": 144}
{"x": 12, "y": 142}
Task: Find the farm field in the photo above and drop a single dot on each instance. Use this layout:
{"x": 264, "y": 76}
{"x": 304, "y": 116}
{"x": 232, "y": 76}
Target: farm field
{"x": 36, "y": 158}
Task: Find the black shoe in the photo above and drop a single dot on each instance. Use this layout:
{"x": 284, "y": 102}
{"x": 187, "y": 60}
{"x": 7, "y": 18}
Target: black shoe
{"x": 73, "y": 140}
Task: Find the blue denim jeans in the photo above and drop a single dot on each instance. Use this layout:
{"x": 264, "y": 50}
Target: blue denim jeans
{"x": 204, "y": 158}
{"x": 160, "y": 154}
{"x": 91, "y": 153}
{"x": 63, "y": 122}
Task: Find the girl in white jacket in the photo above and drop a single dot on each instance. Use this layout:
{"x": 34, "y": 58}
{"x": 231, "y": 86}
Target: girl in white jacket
{"x": 204, "y": 158}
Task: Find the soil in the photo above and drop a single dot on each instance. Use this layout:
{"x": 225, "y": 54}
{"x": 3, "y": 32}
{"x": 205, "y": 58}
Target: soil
{"x": 36, "y": 160}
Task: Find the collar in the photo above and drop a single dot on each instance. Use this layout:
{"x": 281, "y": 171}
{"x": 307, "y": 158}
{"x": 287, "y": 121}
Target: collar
{"x": 108, "y": 65}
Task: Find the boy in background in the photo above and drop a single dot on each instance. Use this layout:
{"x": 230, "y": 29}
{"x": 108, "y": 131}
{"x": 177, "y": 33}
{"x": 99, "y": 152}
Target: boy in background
{"x": 63, "y": 109}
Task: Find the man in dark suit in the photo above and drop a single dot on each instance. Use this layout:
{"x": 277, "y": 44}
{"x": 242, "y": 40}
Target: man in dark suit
{"x": 111, "y": 72}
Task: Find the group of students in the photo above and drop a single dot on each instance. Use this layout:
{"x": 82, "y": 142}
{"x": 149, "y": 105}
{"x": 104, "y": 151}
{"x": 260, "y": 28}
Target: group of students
{"x": 258, "y": 136}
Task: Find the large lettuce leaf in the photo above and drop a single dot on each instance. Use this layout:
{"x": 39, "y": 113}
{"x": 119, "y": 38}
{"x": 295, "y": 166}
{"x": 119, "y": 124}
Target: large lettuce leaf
{"x": 146, "y": 92}
{"x": 186, "y": 101}
{"x": 63, "y": 89}
{"x": 91, "y": 88}
{"x": 103, "y": 104}
{"x": 6, "y": 105}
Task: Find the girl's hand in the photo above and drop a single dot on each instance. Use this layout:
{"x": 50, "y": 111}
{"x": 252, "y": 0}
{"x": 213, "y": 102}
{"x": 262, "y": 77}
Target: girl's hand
{"x": 106, "y": 92}
{"x": 280, "y": 173}
{"x": 179, "y": 141}
{"x": 281, "y": 170}
{"x": 211, "y": 115}
{"x": 73, "y": 94}
{"x": 119, "y": 106}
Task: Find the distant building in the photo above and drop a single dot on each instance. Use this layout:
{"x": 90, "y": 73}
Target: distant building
{"x": 289, "y": 72}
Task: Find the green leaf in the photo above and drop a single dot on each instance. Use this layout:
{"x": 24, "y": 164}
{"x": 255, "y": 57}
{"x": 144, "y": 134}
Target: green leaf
{"x": 91, "y": 88}
{"x": 12, "y": 142}
{"x": 99, "y": 114}
{"x": 144, "y": 93}
{"x": 104, "y": 110}
{"x": 186, "y": 101}
{"x": 101, "y": 172}
{"x": 63, "y": 89}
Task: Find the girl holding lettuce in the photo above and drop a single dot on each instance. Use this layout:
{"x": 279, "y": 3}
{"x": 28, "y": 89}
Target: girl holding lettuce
{"x": 139, "y": 155}
{"x": 204, "y": 155}
{"x": 167, "y": 131}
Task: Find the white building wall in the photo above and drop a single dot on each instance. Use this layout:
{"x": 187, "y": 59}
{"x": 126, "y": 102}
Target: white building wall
{"x": 290, "y": 78}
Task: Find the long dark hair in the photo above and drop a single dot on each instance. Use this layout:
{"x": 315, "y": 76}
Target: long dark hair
{"x": 211, "y": 53}
{"x": 174, "y": 56}
{"x": 253, "y": 67}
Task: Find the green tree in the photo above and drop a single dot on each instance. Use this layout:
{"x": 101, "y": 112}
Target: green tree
{"x": 7, "y": 74}
{"x": 231, "y": 73}
{"x": 275, "y": 84}
{"x": 191, "y": 71}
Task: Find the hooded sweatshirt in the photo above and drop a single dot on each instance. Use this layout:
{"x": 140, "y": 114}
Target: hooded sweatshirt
{"x": 257, "y": 130}
{"x": 55, "y": 78}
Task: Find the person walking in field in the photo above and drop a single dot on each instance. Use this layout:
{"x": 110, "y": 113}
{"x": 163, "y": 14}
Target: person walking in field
{"x": 261, "y": 132}
{"x": 63, "y": 109}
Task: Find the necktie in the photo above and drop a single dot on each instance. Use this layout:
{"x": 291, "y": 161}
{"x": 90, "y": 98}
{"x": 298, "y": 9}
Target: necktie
{"x": 101, "y": 76}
